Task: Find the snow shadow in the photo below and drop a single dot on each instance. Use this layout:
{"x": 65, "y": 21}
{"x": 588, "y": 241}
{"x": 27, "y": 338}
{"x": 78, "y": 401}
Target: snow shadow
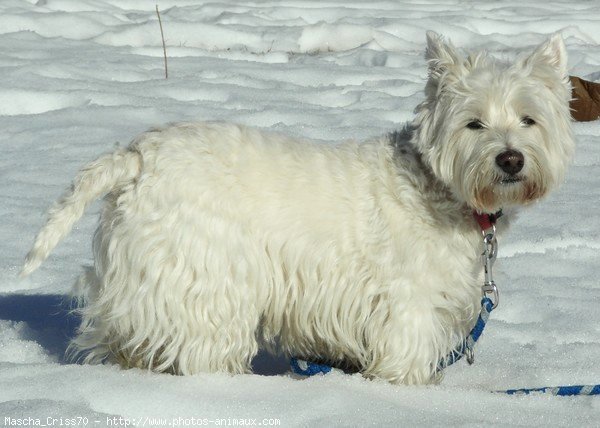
{"x": 270, "y": 365}
{"x": 50, "y": 318}
{"x": 52, "y": 323}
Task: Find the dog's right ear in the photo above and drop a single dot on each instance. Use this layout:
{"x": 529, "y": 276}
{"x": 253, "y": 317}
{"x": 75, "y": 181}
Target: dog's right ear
{"x": 440, "y": 55}
{"x": 553, "y": 53}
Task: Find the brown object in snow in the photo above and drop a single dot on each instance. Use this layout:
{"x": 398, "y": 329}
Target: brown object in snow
{"x": 585, "y": 105}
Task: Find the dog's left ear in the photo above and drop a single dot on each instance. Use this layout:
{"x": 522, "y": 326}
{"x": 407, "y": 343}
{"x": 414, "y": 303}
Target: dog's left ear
{"x": 552, "y": 52}
{"x": 440, "y": 55}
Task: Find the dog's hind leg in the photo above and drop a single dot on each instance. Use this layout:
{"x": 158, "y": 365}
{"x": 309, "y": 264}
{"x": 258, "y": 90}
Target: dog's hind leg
{"x": 175, "y": 300}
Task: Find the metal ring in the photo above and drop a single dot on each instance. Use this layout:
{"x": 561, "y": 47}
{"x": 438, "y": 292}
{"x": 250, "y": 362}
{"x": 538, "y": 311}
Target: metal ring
{"x": 490, "y": 288}
{"x": 470, "y": 355}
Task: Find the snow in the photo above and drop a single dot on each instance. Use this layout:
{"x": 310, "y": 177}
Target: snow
{"x": 81, "y": 76}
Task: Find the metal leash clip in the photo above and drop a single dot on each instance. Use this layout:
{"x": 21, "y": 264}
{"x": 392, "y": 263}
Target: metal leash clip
{"x": 488, "y": 257}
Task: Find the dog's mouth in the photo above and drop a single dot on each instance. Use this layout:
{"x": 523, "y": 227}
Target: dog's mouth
{"x": 507, "y": 181}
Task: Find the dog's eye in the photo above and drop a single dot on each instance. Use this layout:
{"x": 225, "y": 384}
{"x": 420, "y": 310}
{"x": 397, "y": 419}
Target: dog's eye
{"x": 527, "y": 121}
{"x": 475, "y": 124}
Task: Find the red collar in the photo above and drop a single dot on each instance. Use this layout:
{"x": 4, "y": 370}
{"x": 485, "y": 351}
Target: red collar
{"x": 486, "y": 221}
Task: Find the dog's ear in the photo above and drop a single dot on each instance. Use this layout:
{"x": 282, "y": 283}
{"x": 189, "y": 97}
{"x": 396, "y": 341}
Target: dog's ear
{"x": 440, "y": 55}
{"x": 553, "y": 53}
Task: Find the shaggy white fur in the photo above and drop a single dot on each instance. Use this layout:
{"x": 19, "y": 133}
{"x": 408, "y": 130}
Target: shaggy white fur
{"x": 216, "y": 238}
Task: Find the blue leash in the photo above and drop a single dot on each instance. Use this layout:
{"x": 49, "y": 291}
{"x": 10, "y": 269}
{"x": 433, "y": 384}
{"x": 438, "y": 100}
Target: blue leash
{"x": 468, "y": 345}
{"x": 557, "y": 390}
{"x": 307, "y": 368}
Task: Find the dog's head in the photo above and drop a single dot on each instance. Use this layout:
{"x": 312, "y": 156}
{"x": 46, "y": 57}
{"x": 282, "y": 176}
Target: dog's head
{"x": 496, "y": 133}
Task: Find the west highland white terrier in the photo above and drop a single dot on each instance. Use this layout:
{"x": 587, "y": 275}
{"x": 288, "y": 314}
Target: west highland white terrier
{"x": 217, "y": 238}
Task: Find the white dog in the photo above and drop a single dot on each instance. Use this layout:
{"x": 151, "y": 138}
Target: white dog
{"x": 216, "y": 238}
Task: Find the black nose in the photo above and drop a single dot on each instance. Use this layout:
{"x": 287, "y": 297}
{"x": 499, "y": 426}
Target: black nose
{"x": 510, "y": 161}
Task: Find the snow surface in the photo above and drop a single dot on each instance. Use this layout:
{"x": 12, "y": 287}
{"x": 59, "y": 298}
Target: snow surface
{"x": 80, "y": 76}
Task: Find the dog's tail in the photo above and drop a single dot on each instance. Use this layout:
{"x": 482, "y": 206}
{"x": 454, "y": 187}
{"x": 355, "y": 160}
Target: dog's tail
{"x": 95, "y": 180}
